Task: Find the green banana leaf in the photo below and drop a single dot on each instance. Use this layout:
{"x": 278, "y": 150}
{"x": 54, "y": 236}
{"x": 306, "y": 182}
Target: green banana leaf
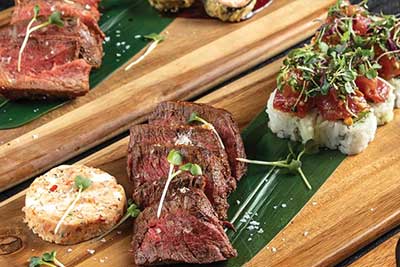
{"x": 266, "y": 199}
{"x": 122, "y": 20}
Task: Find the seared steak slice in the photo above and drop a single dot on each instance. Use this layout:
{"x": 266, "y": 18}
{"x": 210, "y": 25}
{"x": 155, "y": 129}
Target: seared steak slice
{"x": 188, "y": 231}
{"x": 49, "y": 68}
{"x": 90, "y": 44}
{"x": 178, "y": 113}
{"x": 148, "y": 163}
{"x": 178, "y": 135}
{"x": 69, "y": 9}
{"x": 150, "y": 193}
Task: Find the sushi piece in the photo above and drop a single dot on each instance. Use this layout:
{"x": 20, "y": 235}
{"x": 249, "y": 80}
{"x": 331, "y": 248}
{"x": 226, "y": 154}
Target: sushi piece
{"x": 391, "y": 72}
{"x": 348, "y": 139}
{"x": 287, "y": 125}
{"x": 376, "y": 33}
{"x": 229, "y": 10}
{"x": 170, "y": 5}
{"x": 380, "y": 95}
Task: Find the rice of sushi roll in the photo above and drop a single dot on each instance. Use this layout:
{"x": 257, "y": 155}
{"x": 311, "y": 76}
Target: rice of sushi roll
{"x": 349, "y": 139}
{"x": 229, "y": 10}
{"x": 395, "y": 82}
{"x": 170, "y": 5}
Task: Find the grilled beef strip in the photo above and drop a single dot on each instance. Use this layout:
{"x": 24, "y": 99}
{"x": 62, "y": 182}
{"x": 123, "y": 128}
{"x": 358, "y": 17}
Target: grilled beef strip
{"x": 178, "y": 135}
{"x": 178, "y": 113}
{"x": 148, "y": 164}
{"x": 49, "y": 68}
{"x": 188, "y": 231}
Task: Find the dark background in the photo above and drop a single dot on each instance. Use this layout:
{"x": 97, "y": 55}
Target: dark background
{"x": 385, "y": 6}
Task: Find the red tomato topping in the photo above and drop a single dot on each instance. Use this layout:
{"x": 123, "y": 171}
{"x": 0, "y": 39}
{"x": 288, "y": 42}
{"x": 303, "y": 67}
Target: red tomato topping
{"x": 390, "y": 67}
{"x": 332, "y": 108}
{"x": 286, "y": 101}
{"x": 374, "y": 89}
{"x": 361, "y": 24}
{"x": 53, "y": 188}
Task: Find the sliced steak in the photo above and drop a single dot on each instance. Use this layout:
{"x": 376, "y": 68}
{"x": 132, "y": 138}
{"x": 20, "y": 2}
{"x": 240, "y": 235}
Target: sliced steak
{"x": 49, "y": 68}
{"x": 188, "y": 231}
{"x": 23, "y": 12}
{"x": 178, "y": 135}
{"x": 178, "y": 113}
{"x": 150, "y": 193}
{"x": 148, "y": 163}
{"x": 90, "y": 44}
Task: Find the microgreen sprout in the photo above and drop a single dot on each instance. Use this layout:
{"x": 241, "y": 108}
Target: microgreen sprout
{"x": 194, "y": 117}
{"x": 155, "y": 40}
{"x": 292, "y": 162}
{"x": 131, "y": 212}
{"x": 47, "y": 259}
{"x": 54, "y": 19}
{"x": 81, "y": 183}
{"x": 175, "y": 159}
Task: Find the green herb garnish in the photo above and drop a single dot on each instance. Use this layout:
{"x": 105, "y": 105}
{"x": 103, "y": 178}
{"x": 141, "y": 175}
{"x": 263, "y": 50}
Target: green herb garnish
{"x": 47, "y": 259}
{"x": 292, "y": 162}
{"x": 131, "y": 212}
{"x": 175, "y": 159}
{"x": 154, "y": 37}
{"x": 194, "y": 117}
{"x": 81, "y": 183}
{"x": 54, "y": 19}
{"x": 155, "y": 40}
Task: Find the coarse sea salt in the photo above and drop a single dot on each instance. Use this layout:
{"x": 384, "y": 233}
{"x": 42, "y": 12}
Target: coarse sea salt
{"x": 91, "y": 251}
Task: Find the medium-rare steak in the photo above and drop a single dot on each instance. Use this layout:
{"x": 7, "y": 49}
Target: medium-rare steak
{"x": 188, "y": 231}
{"x": 90, "y": 43}
{"x": 178, "y": 113}
{"x": 148, "y": 164}
{"x": 24, "y": 12}
{"x": 49, "y": 68}
{"x": 178, "y": 135}
{"x": 150, "y": 193}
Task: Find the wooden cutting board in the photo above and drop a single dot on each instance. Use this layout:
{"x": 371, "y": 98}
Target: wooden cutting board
{"x": 381, "y": 256}
{"x": 197, "y": 55}
{"x": 358, "y": 203}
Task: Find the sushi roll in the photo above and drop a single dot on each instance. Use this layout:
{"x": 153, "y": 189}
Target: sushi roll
{"x": 229, "y": 10}
{"x": 313, "y": 102}
{"x": 349, "y": 138}
{"x": 170, "y": 5}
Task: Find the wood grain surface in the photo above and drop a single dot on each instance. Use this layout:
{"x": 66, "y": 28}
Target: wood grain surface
{"x": 358, "y": 203}
{"x": 381, "y": 256}
{"x": 197, "y": 55}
